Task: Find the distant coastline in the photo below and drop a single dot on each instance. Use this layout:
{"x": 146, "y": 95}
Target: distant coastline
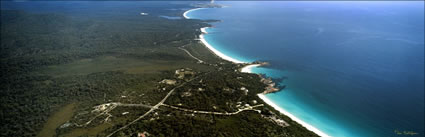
{"x": 185, "y": 13}
{"x": 202, "y": 39}
{"x": 248, "y": 69}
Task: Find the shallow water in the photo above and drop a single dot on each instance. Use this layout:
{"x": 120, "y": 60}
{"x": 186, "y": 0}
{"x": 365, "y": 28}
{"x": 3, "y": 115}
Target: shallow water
{"x": 351, "y": 68}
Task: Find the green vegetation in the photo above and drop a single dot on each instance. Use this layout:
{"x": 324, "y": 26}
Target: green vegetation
{"x": 55, "y": 68}
{"x": 49, "y": 60}
{"x": 56, "y": 120}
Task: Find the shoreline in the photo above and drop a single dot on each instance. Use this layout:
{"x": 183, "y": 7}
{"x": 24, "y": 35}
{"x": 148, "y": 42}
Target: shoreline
{"x": 218, "y": 53}
{"x": 248, "y": 69}
{"x": 283, "y": 111}
{"x": 202, "y": 39}
{"x": 185, "y": 13}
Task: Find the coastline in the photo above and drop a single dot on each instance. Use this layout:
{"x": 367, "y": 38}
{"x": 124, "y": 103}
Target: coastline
{"x": 283, "y": 111}
{"x": 185, "y": 13}
{"x": 248, "y": 69}
{"x": 202, "y": 39}
{"x": 216, "y": 52}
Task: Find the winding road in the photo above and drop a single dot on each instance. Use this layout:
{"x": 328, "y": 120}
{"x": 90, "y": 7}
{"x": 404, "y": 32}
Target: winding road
{"x": 200, "y": 61}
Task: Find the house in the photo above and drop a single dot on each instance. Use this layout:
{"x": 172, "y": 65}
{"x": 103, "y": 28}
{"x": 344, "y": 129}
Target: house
{"x": 168, "y": 81}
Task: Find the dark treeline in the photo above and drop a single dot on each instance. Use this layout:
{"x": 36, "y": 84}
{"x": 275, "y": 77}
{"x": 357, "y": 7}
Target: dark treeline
{"x": 123, "y": 56}
{"x": 30, "y": 42}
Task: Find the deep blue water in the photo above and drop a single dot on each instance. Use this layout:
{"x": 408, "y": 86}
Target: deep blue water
{"x": 352, "y": 69}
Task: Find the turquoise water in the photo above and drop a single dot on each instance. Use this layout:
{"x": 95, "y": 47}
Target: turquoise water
{"x": 352, "y": 69}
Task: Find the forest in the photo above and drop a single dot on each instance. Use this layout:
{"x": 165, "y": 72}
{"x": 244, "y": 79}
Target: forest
{"x": 55, "y": 67}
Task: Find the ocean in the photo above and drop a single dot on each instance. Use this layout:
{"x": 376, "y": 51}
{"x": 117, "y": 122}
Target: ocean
{"x": 351, "y": 69}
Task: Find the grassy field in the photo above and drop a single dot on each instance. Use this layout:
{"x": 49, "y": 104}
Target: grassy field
{"x": 125, "y": 64}
{"x": 57, "y": 119}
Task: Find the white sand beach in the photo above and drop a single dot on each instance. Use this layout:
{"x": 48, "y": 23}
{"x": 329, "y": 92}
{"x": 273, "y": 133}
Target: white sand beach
{"x": 247, "y": 69}
{"x": 215, "y": 51}
{"x": 185, "y": 13}
{"x": 218, "y": 53}
{"x": 204, "y": 30}
{"x": 283, "y": 111}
